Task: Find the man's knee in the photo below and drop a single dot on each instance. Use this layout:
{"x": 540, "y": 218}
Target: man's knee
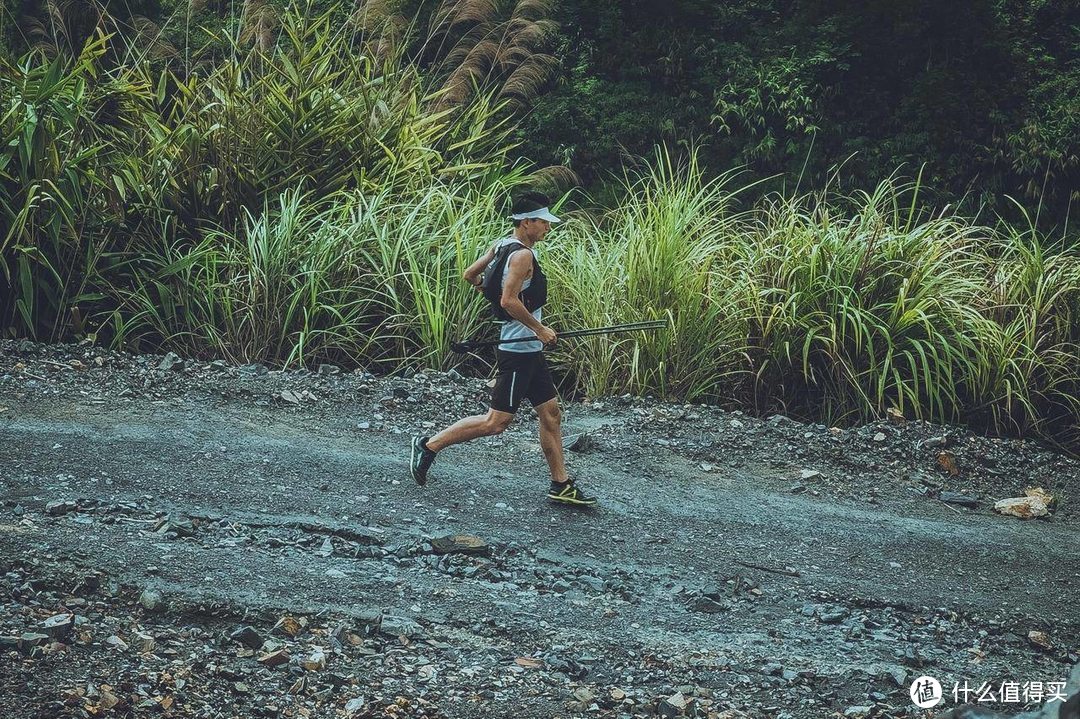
{"x": 497, "y": 422}
{"x": 549, "y": 413}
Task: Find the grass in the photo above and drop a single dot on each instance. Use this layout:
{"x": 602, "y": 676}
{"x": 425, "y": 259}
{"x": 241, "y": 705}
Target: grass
{"x": 317, "y": 201}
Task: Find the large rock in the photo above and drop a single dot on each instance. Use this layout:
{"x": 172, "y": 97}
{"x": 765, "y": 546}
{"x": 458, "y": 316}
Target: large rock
{"x": 59, "y": 626}
{"x": 247, "y": 636}
{"x": 460, "y": 544}
{"x": 150, "y": 600}
{"x": 1022, "y": 507}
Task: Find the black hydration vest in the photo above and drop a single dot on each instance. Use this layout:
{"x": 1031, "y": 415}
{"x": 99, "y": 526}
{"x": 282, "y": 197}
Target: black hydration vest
{"x": 533, "y": 297}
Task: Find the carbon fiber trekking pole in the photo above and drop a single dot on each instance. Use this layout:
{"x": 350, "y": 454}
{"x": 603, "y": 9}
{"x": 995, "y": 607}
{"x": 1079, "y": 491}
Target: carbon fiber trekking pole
{"x": 470, "y": 345}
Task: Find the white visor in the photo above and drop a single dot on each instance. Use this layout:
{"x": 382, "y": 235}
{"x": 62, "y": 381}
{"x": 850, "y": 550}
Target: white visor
{"x": 542, "y": 214}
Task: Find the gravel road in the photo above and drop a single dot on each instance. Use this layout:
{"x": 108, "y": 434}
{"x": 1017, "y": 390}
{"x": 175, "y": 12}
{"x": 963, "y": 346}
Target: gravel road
{"x": 193, "y": 539}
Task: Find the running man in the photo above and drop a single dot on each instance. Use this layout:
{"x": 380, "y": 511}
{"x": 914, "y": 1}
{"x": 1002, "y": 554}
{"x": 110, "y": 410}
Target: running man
{"x": 522, "y": 370}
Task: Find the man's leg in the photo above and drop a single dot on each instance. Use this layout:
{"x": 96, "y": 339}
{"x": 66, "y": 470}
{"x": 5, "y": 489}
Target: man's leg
{"x": 551, "y": 438}
{"x": 563, "y": 489}
{"x": 515, "y": 371}
{"x": 481, "y": 425}
{"x": 424, "y": 448}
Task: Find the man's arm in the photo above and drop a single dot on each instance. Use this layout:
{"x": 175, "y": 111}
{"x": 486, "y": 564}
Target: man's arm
{"x": 520, "y": 264}
{"x": 473, "y": 272}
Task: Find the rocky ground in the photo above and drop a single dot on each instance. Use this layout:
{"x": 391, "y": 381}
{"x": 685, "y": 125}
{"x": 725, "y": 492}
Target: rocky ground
{"x": 186, "y": 539}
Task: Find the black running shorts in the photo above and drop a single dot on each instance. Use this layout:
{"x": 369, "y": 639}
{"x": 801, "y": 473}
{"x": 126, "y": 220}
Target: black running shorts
{"x": 522, "y": 375}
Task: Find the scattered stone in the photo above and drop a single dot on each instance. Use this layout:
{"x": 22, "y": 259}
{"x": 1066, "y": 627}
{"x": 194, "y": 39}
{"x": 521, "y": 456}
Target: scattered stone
{"x": 832, "y": 615}
{"x": 961, "y": 499}
{"x": 400, "y": 627}
{"x": 460, "y": 544}
{"x": 355, "y": 706}
{"x": 316, "y": 661}
{"x": 247, "y": 636}
{"x": 673, "y": 705}
{"x": 288, "y": 626}
{"x": 171, "y": 362}
{"x": 580, "y": 443}
{"x": 879, "y": 437}
{"x": 1022, "y": 507}
{"x": 179, "y": 526}
{"x": 59, "y": 507}
{"x": 108, "y": 700}
{"x": 584, "y": 695}
{"x": 143, "y": 643}
{"x": 117, "y": 642}
{"x": 1041, "y": 494}
{"x": 858, "y": 711}
{"x": 370, "y": 622}
{"x": 336, "y": 574}
{"x": 59, "y": 626}
{"x": 327, "y": 370}
{"x": 33, "y": 639}
{"x": 947, "y": 461}
{"x": 1040, "y": 640}
{"x": 274, "y": 659}
{"x": 150, "y": 600}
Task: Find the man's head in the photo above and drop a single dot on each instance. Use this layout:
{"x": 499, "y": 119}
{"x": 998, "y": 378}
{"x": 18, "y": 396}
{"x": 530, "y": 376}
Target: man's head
{"x": 531, "y": 216}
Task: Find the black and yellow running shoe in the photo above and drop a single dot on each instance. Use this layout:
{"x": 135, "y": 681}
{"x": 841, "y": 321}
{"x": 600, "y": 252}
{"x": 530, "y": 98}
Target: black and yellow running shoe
{"x": 568, "y": 493}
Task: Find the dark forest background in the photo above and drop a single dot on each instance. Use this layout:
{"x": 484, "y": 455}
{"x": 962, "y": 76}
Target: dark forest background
{"x": 980, "y": 96}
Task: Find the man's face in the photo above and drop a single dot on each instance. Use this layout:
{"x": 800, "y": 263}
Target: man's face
{"x": 536, "y": 228}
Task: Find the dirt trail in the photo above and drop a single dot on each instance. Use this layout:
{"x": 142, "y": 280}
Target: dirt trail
{"x": 858, "y": 582}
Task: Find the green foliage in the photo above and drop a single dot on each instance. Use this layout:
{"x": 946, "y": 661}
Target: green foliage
{"x": 314, "y": 192}
{"x": 833, "y": 309}
{"x": 659, "y": 254}
{"x": 106, "y": 164}
{"x": 55, "y": 202}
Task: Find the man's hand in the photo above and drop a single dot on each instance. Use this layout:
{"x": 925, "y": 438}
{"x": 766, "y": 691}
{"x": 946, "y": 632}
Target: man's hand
{"x": 474, "y": 273}
{"x": 546, "y": 335}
